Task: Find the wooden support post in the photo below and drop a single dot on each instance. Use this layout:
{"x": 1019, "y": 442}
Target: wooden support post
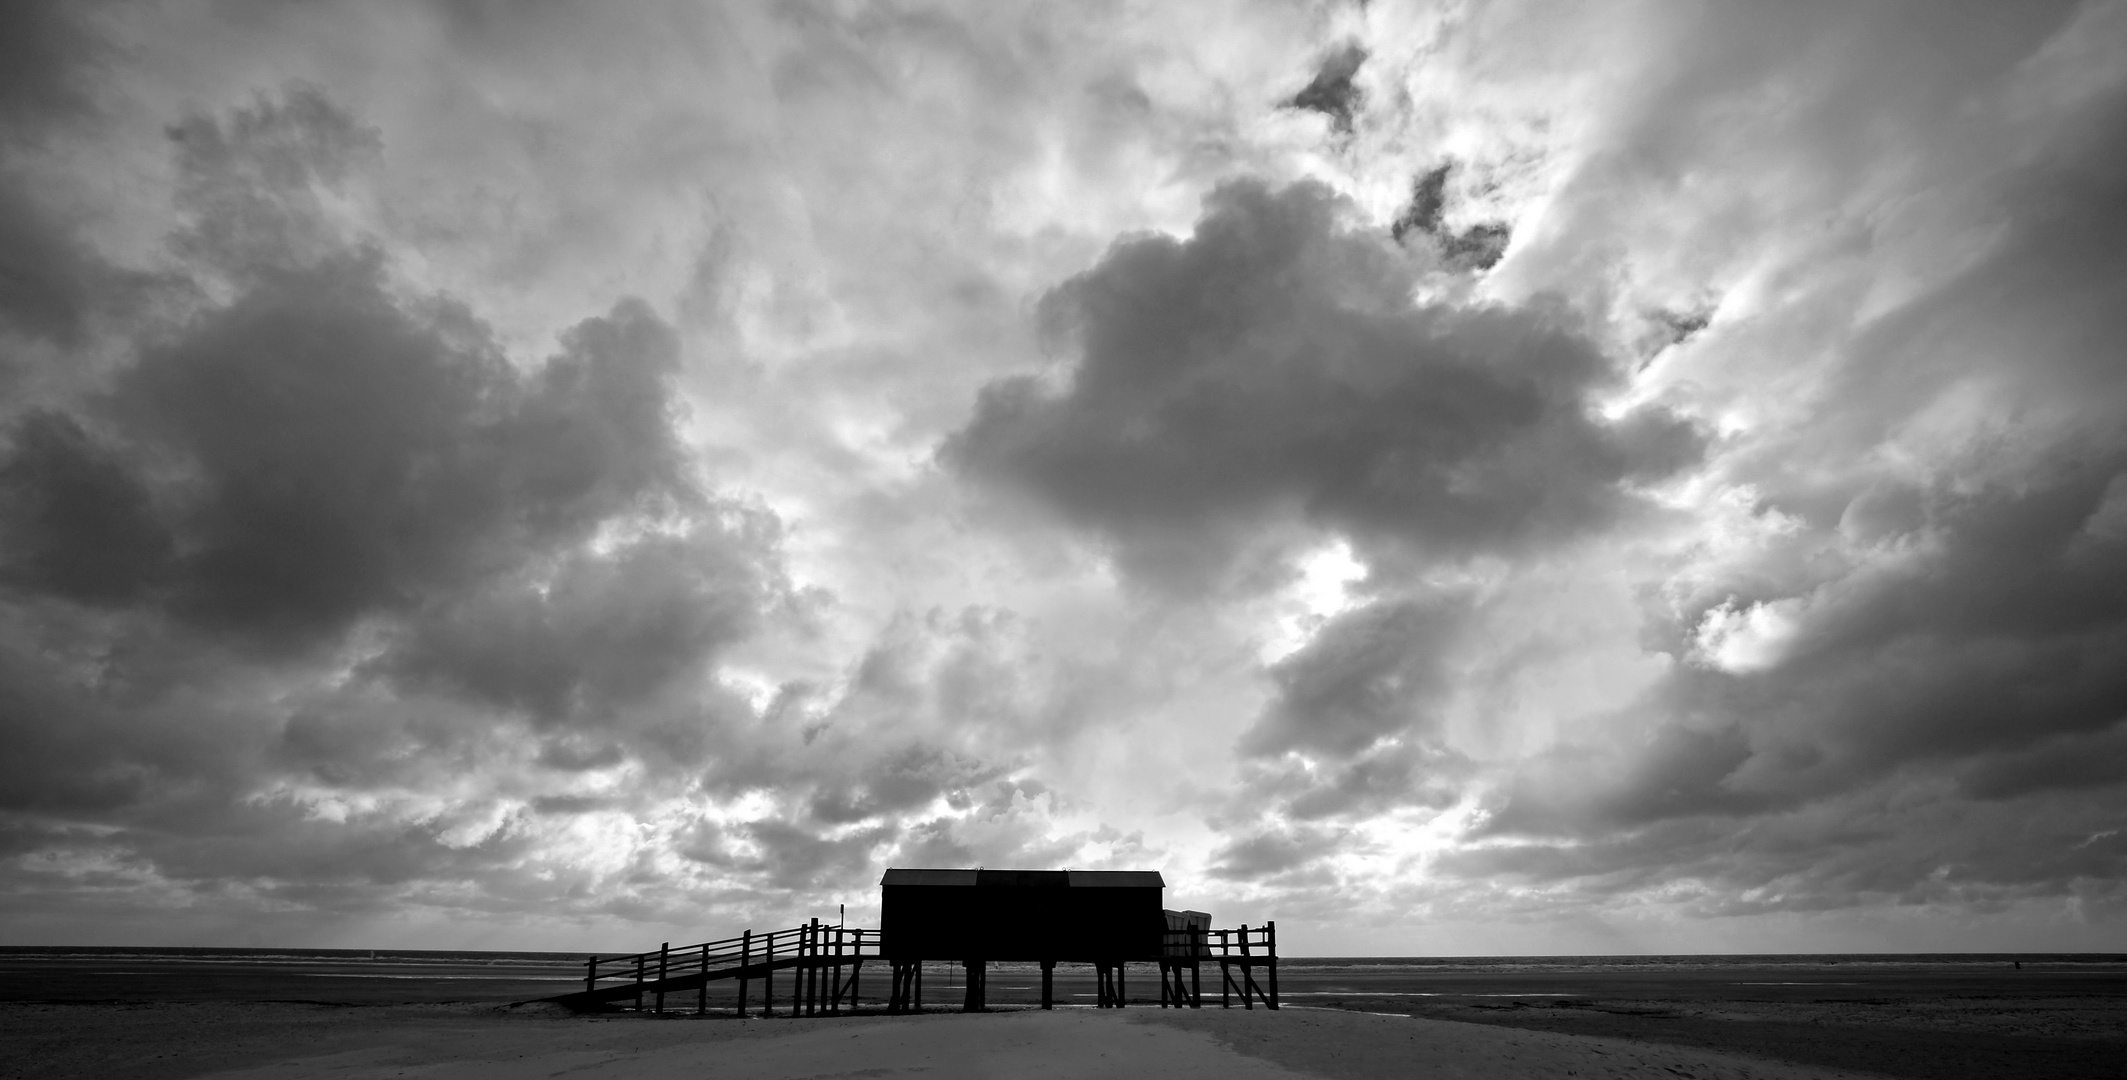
{"x": 590, "y": 975}
{"x": 1247, "y": 972}
{"x": 768, "y": 976}
{"x": 802, "y": 993}
{"x": 976, "y": 998}
{"x": 745, "y": 960}
{"x": 816, "y": 955}
{"x": 1197, "y": 950}
{"x": 640, "y": 959}
{"x": 664, "y": 967}
{"x": 906, "y": 974}
{"x": 1226, "y": 974}
{"x": 1270, "y": 945}
{"x": 1048, "y": 984}
{"x": 701, "y": 995}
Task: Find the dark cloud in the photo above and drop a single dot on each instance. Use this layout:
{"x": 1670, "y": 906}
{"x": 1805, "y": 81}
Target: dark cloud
{"x": 321, "y": 447}
{"x": 1271, "y": 366}
{"x": 75, "y": 520}
{"x": 49, "y": 50}
{"x": 1332, "y": 92}
{"x": 318, "y": 545}
{"x": 596, "y": 630}
{"x": 342, "y": 454}
{"x": 1275, "y": 853}
{"x": 1367, "y": 674}
{"x": 1965, "y": 695}
{"x": 789, "y": 857}
{"x": 903, "y": 780}
{"x": 1910, "y": 693}
{"x": 49, "y": 284}
{"x": 1402, "y": 773}
{"x": 1475, "y": 248}
{"x": 1993, "y": 636}
{"x": 253, "y": 182}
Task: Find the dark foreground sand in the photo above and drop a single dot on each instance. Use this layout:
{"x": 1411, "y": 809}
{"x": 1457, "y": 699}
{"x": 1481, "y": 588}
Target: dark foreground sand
{"x": 297, "y": 1041}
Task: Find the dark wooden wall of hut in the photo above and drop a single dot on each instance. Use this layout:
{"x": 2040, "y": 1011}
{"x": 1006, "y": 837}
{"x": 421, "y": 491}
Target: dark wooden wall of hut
{"x": 1070, "y": 915}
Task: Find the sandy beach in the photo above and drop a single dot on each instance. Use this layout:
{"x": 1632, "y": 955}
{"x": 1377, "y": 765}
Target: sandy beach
{"x": 236, "y": 1041}
{"x": 175, "y": 1016}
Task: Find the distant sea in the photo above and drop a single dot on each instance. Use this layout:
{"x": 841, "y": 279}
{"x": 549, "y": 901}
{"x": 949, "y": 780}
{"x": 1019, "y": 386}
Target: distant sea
{"x": 96, "y": 973}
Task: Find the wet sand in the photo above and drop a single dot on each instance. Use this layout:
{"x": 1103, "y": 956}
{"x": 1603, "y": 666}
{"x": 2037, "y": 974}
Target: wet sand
{"x": 238, "y": 1041}
{"x": 258, "y": 1020}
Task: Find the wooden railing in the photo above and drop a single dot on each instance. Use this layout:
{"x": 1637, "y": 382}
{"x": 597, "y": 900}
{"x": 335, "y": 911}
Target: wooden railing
{"x": 1243, "y": 950}
{"x": 825, "y": 961}
{"x": 812, "y": 950}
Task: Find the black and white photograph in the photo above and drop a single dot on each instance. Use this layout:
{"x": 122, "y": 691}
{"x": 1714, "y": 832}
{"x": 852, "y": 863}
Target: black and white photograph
{"x": 1353, "y": 539}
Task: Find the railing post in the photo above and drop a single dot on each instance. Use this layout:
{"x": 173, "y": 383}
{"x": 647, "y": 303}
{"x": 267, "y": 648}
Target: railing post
{"x": 664, "y": 967}
{"x": 811, "y": 968}
{"x": 834, "y": 991}
{"x": 856, "y": 967}
{"x": 590, "y": 975}
{"x": 1247, "y": 972}
{"x": 1270, "y": 945}
{"x": 1225, "y": 973}
{"x": 768, "y": 977}
{"x": 701, "y": 996}
{"x": 1197, "y": 949}
{"x": 640, "y": 959}
{"x": 745, "y": 961}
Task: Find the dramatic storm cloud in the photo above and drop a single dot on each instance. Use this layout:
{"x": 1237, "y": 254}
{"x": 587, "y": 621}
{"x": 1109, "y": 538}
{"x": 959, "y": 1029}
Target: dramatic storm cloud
{"x": 1630, "y": 478}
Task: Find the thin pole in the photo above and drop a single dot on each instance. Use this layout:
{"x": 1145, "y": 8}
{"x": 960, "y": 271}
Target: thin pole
{"x": 640, "y": 959}
{"x": 590, "y": 975}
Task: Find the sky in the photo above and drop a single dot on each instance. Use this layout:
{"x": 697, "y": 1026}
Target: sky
{"x": 1450, "y": 478}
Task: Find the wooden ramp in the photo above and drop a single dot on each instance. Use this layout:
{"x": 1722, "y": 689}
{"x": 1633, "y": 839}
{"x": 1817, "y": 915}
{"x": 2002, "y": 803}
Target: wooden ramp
{"x": 821, "y": 964}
